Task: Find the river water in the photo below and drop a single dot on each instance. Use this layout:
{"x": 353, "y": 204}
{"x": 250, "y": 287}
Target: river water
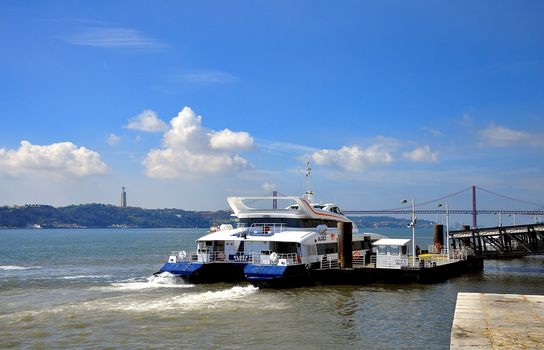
{"x": 65, "y": 289}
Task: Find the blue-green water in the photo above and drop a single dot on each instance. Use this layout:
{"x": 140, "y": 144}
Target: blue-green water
{"x": 94, "y": 289}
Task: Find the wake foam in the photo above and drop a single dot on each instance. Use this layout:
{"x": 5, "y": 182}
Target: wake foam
{"x": 85, "y": 277}
{"x": 15, "y": 267}
{"x": 162, "y": 280}
{"x": 223, "y": 299}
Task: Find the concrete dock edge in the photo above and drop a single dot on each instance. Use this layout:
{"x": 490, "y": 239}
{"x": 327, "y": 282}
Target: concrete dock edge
{"x": 498, "y": 321}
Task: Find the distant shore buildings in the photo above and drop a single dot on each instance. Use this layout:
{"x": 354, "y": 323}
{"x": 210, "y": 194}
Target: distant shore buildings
{"x": 123, "y": 198}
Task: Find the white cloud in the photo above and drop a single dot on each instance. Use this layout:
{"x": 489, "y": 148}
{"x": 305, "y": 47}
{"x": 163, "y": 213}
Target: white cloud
{"x": 284, "y": 147}
{"x": 120, "y": 38}
{"x": 58, "y": 159}
{"x": 353, "y": 158}
{"x": 268, "y": 187}
{"x": 422, "y": 154}
{"x": 188, "y": 150}
{"x": 432, "y": 131}
{"x": 465, "y": 121}
{"x": 228, "y": 140}
{"x": 113, "y": 139}
{"x": 147, "y": 121}
{"x": 498, "y": 136}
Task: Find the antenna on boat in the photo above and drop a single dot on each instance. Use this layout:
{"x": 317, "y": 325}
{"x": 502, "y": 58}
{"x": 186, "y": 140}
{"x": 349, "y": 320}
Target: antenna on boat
{"x": 309, "y": 194}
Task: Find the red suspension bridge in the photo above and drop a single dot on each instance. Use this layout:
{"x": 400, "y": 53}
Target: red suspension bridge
{"x": 515, "y": 206}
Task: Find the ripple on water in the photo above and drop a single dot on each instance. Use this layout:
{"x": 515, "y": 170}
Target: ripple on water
{"x": 18, "y": 268}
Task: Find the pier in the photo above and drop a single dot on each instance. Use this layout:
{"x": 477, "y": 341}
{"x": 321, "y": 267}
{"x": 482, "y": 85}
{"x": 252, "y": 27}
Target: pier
{"x": 498, "y": 321}
{"x": 504, "y": 241}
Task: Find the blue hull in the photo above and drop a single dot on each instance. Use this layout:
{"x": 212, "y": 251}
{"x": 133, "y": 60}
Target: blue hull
{"x": 277, "y": 276}
{"x": 196, "y": 272}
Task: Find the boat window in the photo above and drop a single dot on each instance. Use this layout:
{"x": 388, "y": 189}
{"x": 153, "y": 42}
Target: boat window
{"x": 285, "y": 247}
{"x": 336, "y": 210}
{"x": 265, "y": 252}
{"x": 319, "y": 206}
{"x": 357, "y": 245}
{"x": 288, "y": 222}
{"x": 394, "y": 250}
{"x": 327, "y": 248}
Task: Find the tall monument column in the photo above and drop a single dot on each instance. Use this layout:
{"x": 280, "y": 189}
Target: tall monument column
{"x": 123, "y": 198}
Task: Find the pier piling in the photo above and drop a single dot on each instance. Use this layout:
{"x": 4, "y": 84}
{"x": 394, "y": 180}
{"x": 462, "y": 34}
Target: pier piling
{"x": 345, "y": 248}
{"x": 438, "y": 236}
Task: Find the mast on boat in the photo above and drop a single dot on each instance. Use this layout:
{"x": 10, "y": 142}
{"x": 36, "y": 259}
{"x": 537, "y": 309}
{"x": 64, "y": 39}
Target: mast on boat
{"x": 309, "y": 195}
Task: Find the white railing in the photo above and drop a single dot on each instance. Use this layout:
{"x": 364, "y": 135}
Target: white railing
{"x": 328, "y": 264}
{"x": 267, "y": 228}
{"x": 358, "y": 261}
{"x": 373, "y": 261}
{"x": 221, "y": 256}
{"x": 442, "y": 257}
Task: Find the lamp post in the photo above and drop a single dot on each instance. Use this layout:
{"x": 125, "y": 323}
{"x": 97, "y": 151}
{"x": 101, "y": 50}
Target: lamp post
{"x": 447, "y": 229}
{"x": 413, "y": 225}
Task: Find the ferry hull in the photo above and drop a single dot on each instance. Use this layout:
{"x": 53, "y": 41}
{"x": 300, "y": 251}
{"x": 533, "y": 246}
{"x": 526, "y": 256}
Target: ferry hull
{"x": 273, "y": 276}
{"x": 298, "y": 275}
{"x": 195, "y": 272}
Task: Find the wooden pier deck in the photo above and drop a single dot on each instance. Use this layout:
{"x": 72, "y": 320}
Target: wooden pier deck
{"x": 498, "y": 321}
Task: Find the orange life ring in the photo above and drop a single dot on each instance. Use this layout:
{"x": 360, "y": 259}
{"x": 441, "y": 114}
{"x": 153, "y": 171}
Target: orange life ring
{"x": 438, "y": 246}
{"x": 355, "y": 254}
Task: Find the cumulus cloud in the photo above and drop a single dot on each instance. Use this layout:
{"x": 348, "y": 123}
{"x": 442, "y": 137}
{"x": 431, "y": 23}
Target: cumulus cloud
{"x": 353, "y": 158}
{"x": 189, "y": 149}
{"x": 113, "y": 139}
{"x": 147, "y": 121}
{"x": 58, "y": 159}
{"x": 422, "y": 154}
{"x": 498, "y": 136}
{"x": 229, "y": 140}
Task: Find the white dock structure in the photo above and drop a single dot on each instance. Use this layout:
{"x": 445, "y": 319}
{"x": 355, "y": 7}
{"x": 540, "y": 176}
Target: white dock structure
{"x": 498, "y": 321}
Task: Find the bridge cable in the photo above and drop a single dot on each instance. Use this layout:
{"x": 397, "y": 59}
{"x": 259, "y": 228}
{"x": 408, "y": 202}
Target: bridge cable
{"x": 540, "y": 205}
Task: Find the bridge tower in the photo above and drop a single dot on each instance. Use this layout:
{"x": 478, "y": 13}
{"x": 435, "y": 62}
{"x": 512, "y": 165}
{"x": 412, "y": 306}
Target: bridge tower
{"x": 474, "y": 223}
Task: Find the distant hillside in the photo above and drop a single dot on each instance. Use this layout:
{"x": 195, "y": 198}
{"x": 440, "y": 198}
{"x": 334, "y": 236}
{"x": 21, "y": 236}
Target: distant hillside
{"x": 387, "y": 221}
{"x": 101, "y": 216}
{"x": 104, "y": 216}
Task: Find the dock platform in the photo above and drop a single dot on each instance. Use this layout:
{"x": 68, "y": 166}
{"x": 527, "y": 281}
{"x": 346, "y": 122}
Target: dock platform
{"x": 498, "y": 321}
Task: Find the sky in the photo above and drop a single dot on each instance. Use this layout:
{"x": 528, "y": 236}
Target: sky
{"x": 185, "y": 103}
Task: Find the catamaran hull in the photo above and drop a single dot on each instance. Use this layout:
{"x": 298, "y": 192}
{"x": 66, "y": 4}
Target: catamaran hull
{"x": 195, "y": 272}
{"x": 273, "y": 276}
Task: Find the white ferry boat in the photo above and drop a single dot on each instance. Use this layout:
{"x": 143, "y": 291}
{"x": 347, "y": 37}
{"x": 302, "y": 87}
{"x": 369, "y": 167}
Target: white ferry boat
{"x": 277, "y": 240}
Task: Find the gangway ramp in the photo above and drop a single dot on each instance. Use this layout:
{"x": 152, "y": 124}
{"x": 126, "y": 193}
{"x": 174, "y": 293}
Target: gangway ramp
{"x": 503, "y": 241}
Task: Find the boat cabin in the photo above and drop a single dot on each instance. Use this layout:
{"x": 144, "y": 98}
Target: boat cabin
{"x": 391, "y": 253}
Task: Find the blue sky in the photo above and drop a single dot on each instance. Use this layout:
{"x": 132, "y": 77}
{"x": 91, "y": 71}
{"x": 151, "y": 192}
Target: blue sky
{"x": 387, "y": 99}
